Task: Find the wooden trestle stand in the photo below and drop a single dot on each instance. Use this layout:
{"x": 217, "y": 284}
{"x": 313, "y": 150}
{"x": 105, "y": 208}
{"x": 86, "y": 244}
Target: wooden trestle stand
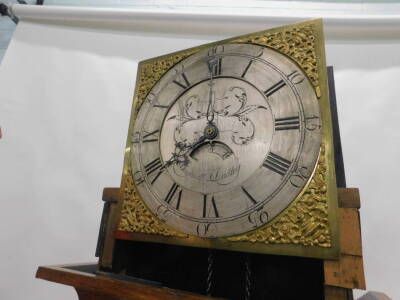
{"x": 340, "y": 276}
{"x": 277, "y": 278}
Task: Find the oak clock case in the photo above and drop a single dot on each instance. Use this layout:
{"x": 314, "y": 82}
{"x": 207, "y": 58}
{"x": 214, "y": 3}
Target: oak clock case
{"x": 225, "y": 142}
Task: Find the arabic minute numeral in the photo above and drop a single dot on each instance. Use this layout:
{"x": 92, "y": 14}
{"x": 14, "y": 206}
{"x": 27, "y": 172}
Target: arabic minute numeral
{"x": 216, "y": 50}
{"x": 300, "y": 175}
{"x": 162, "y": 212}
{"x": 258, "y": 217}
{"x": 312, "y": 123}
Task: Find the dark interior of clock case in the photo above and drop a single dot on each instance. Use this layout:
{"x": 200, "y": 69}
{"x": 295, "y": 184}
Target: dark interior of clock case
{"x": 268, "y": 276}
{"x": 186, "y": 268}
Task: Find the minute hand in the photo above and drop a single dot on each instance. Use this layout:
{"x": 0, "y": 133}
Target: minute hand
{"x": 210, "y": 108}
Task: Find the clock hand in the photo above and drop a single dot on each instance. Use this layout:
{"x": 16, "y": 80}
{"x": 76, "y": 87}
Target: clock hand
{"x": 183, "y": 150}
{"x": 210, "y": 133}
{"x": 210, "y": 108}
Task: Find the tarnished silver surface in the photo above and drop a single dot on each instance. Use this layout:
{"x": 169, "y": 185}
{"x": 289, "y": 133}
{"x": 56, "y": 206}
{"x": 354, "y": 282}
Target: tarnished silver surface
{"x": 226, "y": 140}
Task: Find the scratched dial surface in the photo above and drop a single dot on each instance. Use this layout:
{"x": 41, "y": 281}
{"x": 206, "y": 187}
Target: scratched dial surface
{"x": 226, "y": 140}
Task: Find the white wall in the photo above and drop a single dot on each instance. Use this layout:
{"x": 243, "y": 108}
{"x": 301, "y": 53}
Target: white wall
{"x": 367, "y": 90}
{"x": 64, "y": 104}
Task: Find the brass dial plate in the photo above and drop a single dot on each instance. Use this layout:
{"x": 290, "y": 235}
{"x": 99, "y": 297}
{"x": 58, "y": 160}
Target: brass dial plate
{"x": 308, "y": 225}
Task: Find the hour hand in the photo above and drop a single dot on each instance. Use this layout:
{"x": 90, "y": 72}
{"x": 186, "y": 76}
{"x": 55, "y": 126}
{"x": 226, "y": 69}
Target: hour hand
{"x": 210, "y": 109}
{"x": 182, "y": 151}
{"x": 198, "y": 142}
{"x": 210, "y": 133}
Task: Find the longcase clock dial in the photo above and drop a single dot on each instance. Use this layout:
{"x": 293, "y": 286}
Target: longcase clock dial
{"x": 223, "y": 142}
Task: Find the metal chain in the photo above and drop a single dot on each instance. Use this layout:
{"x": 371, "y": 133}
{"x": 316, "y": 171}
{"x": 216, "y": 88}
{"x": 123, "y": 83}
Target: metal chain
{"x": 248, "y": 277}
{"x": 210, "y": 272}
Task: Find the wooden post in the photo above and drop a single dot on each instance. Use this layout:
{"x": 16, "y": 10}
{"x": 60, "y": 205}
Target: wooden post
{"x": 112, "y": 198}
{"x": 347, "y": 273}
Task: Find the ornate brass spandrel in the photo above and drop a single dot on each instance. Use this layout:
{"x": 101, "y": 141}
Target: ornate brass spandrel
{"x": 296, "y": 42}
{"x": 305, "y": 222}
{"x": 151, "y": 71}
{"x": 136, "y": 217}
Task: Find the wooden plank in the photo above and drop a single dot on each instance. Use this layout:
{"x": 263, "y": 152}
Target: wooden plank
{"x": 350, "y": 232}
{"x": 111, "y": 194}
{"x": 112, "y": 288}
{"x": 114, "y": 196}
{"x": 85, "y": 295}
{"x": 349, "y": 197}
{"x": 347, "y": 272}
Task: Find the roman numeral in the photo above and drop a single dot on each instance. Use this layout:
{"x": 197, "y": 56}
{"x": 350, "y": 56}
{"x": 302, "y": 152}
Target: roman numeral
{"x": 150, "y": 137}
{"x": 153, "y": 100}
{"x": 277, "y": 163}
{"x": 182, "y": 81}
{"x": 287, "y": 123}
{"x": 155, "y": 165}
{"x": 273, "y": 89}
{"x": 160, "y": 106}
{"x": 215, "y": 66}
{"x": 138, "y": 177}
{"x": 249, "y": 196}
{"x": 213, "y": 207}
{"x": 173, "y": 190}
{"x": 247, "y": 68}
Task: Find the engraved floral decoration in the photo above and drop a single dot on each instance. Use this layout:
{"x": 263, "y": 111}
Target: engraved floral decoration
{"x": 192, "y": 119}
